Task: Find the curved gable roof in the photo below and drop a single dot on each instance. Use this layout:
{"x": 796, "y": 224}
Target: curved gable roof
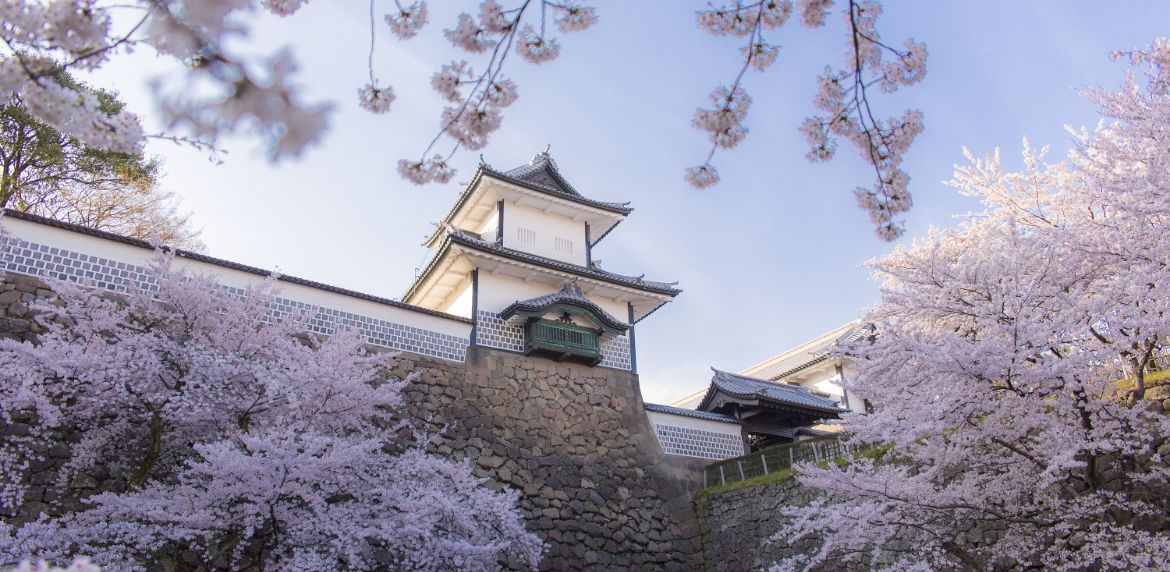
{"x": 743, "y": 387}
{"x": 570, "y": 295}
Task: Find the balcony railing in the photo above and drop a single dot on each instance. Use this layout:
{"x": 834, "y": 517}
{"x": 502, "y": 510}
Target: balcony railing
{"x": 562, "y": 341}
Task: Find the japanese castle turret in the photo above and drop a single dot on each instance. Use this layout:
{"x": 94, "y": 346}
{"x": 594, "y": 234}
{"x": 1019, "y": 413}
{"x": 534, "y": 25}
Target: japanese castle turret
{"x": 515, "y": 255}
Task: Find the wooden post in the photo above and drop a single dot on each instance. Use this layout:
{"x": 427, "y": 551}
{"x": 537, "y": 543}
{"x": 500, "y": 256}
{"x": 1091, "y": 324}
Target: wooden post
{"x": 722, "y": 479}
{"x": 791, "y": 461}
{"x": 764, "y": 460}
{"x": 740, "y": 465}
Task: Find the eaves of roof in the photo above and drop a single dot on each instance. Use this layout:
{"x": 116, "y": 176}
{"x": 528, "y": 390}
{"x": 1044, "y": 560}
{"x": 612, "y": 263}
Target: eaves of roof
{"x": 811, "y": 362}
{"x": 619, "y": 208}
{"x": 741, "y": 387}
{"x": 616, "y": 208}
{"x": 569, "y": 294}
{"x": 228, "y": 264}
{"x": 463, "y": 238}
{"x": 691, "y": 413}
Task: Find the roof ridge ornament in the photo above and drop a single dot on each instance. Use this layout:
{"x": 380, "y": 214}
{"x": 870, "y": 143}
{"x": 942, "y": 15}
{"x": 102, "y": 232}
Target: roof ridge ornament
{"x": 545, "y": 158}
{"x": 572, "y": 287}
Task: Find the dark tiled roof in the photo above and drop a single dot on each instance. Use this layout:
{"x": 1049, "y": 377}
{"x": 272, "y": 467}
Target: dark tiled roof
{"x": 751, "y": 388}
{"x": 571, "y": 294}
{"x": 474, "y": 240}
{"x": 820, "y": 353}
{"x": 227, "y": 264}
{"x": 541, "y": 174}
{"x": 462, "y": 237}
{"x": 691, "y": 413}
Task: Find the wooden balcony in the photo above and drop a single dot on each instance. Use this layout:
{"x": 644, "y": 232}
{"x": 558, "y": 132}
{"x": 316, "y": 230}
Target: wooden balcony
{"x": 562, "y": 341}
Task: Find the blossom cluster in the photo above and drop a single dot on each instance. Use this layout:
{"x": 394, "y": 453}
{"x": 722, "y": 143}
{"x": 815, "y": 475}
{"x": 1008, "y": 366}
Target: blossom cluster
{"x": 1017, "y": 371}
{"x": 235, "y": 92}
{"x": 841, "y": 96}
{"x": 725, "y": 122}
{"x": 237, "y": 440}
{"x": 479, "y": 99}
{"x": 1157, "y": 55}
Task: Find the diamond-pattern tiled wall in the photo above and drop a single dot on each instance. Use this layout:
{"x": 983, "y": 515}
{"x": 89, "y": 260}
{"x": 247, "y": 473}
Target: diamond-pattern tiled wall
{"x": 698, "y": 443}
{"x": 39, "y": 260}
{"x": 615, "y": 352}
{"x": 493, "y": 332}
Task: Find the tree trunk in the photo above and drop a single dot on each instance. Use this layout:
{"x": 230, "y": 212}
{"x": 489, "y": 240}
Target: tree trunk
{"x": 152, "y": 452}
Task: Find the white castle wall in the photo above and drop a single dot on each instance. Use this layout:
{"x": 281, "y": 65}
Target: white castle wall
{"x": 694, "y": 437}
{"x": 545, "y": 230}
{"x": 51, "y": 252}
{"x": 497, "y": 292}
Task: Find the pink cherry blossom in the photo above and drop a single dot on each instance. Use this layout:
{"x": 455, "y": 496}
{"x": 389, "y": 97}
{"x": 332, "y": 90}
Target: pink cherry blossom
{"x": 702, "y": 176}
{"x": 492, "y": 17}
{"x": 376, "y": 99}
{"x": 407, "y": 21}
{"x": 284, "y": 7}
{"x": 574, "y": 17}
{"x": 242, "y": 437}
{"x": 468, "y": 35}
{"x": 447, "y": 80}
{"x": 501, "y": 93}
{"x": 536, "y": 48}
{"x": 813, "y": 12}
{"x": 1012, "y": 366}
{"x": 759, "y": 55}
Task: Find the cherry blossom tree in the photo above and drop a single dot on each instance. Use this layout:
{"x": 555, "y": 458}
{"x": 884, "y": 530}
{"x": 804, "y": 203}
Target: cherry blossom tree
{"x": 227, "y": 90}
{"x": 239, "y": 443}
{"x": 1019, "y": 368}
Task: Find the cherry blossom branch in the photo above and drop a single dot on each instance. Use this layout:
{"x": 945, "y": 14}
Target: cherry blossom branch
{"x": 477, "y": 114}
{"x": 725, "y": 121}
{"x": 843, "y": 95}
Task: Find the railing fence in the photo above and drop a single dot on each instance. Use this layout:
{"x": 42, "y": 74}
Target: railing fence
{"x": 777, "y": 458}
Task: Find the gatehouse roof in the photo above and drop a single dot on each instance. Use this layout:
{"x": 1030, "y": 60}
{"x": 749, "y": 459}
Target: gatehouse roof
{"x": 759, "y": 390}
{"x": 709, "y": 416}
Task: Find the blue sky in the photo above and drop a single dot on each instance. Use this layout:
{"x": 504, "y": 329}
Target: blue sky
{"x": 770, "y": 257}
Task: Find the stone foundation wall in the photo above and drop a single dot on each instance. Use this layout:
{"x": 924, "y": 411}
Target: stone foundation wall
{"x": 574, "y": 441}
{"x": 44, "y": 490}
{"x": 737, "y": 525}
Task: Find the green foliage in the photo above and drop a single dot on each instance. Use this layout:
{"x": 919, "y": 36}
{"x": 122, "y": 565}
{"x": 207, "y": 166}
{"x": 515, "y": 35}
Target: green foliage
{"x": 46, "y": 172}
{"x": 774, "y": 476}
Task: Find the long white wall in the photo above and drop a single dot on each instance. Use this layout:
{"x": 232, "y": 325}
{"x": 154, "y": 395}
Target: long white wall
{"x": 55, "y": 253}
{"x": 694, "y": 437}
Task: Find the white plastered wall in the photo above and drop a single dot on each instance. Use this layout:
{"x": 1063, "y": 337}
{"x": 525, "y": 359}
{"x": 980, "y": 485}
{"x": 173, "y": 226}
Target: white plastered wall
{"x": 129, "y": 254}
{"x": 546, "y": 228}
{"x": 488, "y": 229}
{"x": 694, "y": 437}
{"x": 498, "y": 291}
{"x": 461, "y": 304}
